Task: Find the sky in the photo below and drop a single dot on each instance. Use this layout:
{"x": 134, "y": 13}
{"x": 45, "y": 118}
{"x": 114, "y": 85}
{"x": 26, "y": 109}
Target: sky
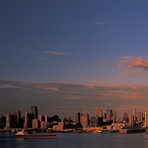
{"x": 69, "y": 47}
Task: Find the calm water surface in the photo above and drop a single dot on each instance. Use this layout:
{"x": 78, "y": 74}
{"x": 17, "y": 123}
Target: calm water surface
{"x": 79, "y": 140}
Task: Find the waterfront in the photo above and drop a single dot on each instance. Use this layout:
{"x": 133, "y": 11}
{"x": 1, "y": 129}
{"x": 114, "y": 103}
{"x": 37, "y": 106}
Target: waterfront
{"x": 78, "y": 140}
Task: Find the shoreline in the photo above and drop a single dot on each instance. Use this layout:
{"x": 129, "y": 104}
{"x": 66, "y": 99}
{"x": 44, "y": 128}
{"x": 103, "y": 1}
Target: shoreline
{"x": 104, "y": 131}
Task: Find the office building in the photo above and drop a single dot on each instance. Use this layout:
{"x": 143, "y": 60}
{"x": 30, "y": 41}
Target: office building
{"x": 139, "y": 116}
{"x": 34, "y": 112}
{"x": 17, "y": 118}
{"x": 134, "y": 114}
{"x": 41, "y": 118}
{"x": 2, "y": 121}
{"x": 125, "y": 117}
{"x": 85, "y": 120}
{"x": 8, "y": 120}
{"x": 114, "y": 117}
{"x": 131, "y": 120}
{"x": 109, "y": 114}
{"x": 146, "y": 119}
{"x": 46, "y": 121}
{"x": 78, "y": 118}
{"x": 28, "y": 120}
{"x": 99, "y": 112}
{"x": 35, "y": 123}
{"x": 94, "y": 121}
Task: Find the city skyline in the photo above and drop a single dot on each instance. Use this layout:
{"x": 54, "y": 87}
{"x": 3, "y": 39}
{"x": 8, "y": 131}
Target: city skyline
{"x": 64, "y": 56}
{"x": 108, "y": 114}
{"x": 107, "y": 119}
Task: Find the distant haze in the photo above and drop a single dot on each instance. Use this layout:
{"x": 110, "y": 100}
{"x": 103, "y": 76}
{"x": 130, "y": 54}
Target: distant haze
{"x": 68, "y": 98}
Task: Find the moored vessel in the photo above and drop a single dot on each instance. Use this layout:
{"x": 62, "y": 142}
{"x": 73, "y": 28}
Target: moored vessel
{"x": 25, "y": 134}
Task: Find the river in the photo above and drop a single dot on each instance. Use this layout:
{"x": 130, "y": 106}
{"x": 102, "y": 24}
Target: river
{"x": 78, "y": 140}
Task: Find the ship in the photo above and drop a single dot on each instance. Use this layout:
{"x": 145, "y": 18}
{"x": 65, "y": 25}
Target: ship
{"x": 99, "y": 131}
{"x": 24, "y": 134}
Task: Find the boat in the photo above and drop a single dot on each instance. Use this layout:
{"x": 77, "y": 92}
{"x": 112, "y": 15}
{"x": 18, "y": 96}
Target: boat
{"x": 25, "y": 134}
{"x": 99, "y": 131}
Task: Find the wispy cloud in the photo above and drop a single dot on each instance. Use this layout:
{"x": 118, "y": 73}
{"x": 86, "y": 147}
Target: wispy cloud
{"x": 104, "y": 27}
{"x": 37, "y": 51}
{"x": 7, "y": 86}
{"x": 133, "y": 64}
{"x": 37, "y": 54}
{"x": 42, "y": 58}
{"x": 50, "y": 88}
{"x": 20, "y": 49}
{"x": 63, "y": 95}
{"x": 100, "y": 23}
{"x": 107, "y": 31}
{"x": 54, "y": 52}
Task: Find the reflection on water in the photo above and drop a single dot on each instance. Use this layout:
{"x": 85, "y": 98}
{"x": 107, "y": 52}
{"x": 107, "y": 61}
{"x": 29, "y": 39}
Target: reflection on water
{"x": 78, "y": 140}
{"x": 146, "y": 138}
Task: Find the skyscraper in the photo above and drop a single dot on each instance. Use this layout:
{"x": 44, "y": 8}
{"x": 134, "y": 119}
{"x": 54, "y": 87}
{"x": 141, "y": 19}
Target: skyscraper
{"x": 85, "y": 120}
{"x": 17, "y": 116}
{"x": 146, "y": 119}
{"x": 125, "y": 117}
{"x": 134, "y": 113}
{"x": 34, "y": 112}
{"x": 99, "y": 112}
{"x": 94, "y": 121}
{"x": 17, "y": 113}
{"x": 28, "y": 120}
{"x": 109, "y": 114}
{"x": 78, "y": 118}
{"x": 140, "y": 116}
{"x": 114, "y": 117}
{"x": 35, "y": 123}
{"x": 41, "y": 118}
{"x": 8, "y": 120}
{"x": 46, "y": 121}
{"x": 2, "y": 121}
{"x": 131, "y": 120}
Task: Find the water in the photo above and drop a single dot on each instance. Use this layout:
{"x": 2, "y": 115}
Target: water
{"x": 79, "y": 140}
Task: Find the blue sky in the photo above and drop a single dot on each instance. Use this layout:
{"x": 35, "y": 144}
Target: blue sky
{"x": 97, "y": 42}
{"x": 94, "y": 34}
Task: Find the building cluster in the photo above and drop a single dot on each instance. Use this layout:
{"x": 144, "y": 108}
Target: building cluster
{"x": 108, "y": 119}
{"x": 134, "y": 119}
{"x": 29, "y": 120}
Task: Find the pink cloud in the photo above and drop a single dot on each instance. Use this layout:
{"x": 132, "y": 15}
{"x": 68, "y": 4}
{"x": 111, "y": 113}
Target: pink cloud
{"x": 133, "y": 65}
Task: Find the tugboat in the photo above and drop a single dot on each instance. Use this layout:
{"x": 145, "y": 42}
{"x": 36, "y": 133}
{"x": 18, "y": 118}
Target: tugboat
{"x": 25, "y": 134}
